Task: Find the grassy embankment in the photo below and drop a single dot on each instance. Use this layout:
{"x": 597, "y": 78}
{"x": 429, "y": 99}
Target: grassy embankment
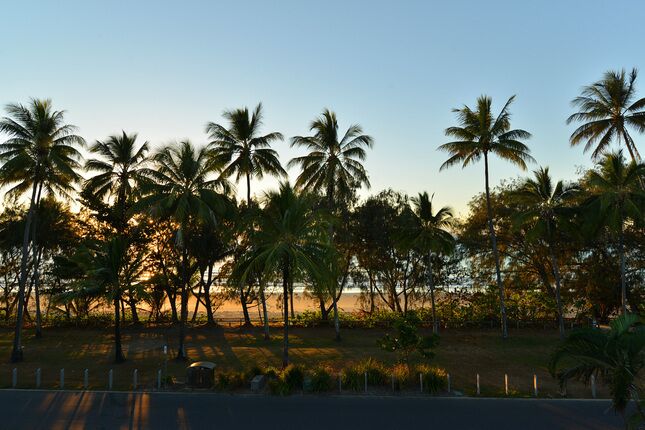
{"x": 463, "y": 353}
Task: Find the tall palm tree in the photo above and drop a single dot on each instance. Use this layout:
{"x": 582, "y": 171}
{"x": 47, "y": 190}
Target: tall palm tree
{"x": 241, "y": 148}
{"x": 120, "y": 169}
{"x": 244, "y": 152}
{"x": 332, "y": 166}
{"x": 291, "y": 238}
{"x": 431, "y": 236}
{"x": 616, "y": 355}
{"x": 607, "y": 110}
{"x": 618, "y": 196}
{"x": 184, "y": 189}
{"x": 479, "y": 135}
{"x": 547, "y": 211}
{"x": 40, "y": 154}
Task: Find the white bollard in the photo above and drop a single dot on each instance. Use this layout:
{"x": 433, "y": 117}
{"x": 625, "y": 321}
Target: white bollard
{"x": 421, "y": 381}
{"x": 506, "y": 384}
{"x": 38, "y": 378}
{"x": 14, "y": 378}
{"x": 478, "y": 390}
{"x": 593, "y": 386}
{"x": 159, "y": 380}
{"x": 62, "y": 379}
{"x": 110, "y": 379}
{"x": 449, "y": 388}
{"x": 535, "y": 385}
{"x": 86, "y": 379}
{"x": 366, "y": 382}
{"x": 135, "y": 375}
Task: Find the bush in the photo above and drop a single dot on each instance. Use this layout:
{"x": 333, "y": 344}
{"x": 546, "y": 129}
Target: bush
{"x": 434, "y": 378}
{"x": 401, "y": 374}
{"x": 285, "y": 382}
{"x": 321, "y": 380}
{"x": 354, "y": 376}
{"x": 231, "y": 380}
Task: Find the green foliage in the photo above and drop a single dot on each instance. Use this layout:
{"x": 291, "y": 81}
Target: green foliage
{"x": 353, "y": 377}
{"x": 321, "y": 380}
{"x": 434, "y": 378}
{"x": 230, "y": 381}
{"x": 616, "y": 355}
{"x": 407, "y": 340}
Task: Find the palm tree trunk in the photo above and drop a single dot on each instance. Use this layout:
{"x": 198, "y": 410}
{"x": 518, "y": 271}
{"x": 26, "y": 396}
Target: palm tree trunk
{"x": 16, "y": 352}
{"x": 37, "y": 257}
{"x": 248, "y": 190}
{"x": 623, "y": 281}
{"x": 336, "y": 319}
{"x": 245, "y": 308}
{"x": 181, "y": 352}
{"x": 435, "y": 323}
{"x": 493, "y": 239}
{"x": 293, "y": 314}
{"x": 285, "y": 308}
{"x": 207, "y": 297}
{"x": 265, "y": 313}
{"x": 558, "y": 297}
{"x": 118, "y": 350}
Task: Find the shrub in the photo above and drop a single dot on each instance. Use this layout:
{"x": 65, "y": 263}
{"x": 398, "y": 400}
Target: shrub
{"x": 231, "y": 380}
{"x": 407, "y": 340}
{"x": 434, "y": 378}
{"x": 321, "y": 380}
{"x": 293, "y": 376}
{"x": 401, "y": 374}
{"x": 354, "y": 376}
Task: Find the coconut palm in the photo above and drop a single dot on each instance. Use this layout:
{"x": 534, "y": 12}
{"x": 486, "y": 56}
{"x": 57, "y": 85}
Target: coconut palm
{"x": 291, "y": 239}
{"x": 480, "y": 135}
{"x": 40, "y": 154}
{"x": 184, "y": 188}
{"x": 244, "y": 153}
{"x": 547, "y": 212}
{"x": 431, "y": 236}
{"x": 242, "y": 150}
{"x": 616, "y": 355}
{"x": 332, "y": 166}
{"x": 608, "y": 108}
{"x": 120, "y": 169}
{"x": 618, "y": 197}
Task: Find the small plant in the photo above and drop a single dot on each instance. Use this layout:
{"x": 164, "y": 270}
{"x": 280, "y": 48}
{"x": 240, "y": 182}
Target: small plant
{"x": 434, "y": 378}
{"x": 354, "y": 376}
{"x": 293, "y": 376}
{"x": 231, "y": 381}
{"x": 407, "y": 339}
{"x": 321, "y": 380}
{"x": 401, "y": 375}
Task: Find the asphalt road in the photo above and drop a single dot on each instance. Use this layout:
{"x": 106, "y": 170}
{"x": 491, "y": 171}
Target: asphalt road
{"x": 22, "y": 409}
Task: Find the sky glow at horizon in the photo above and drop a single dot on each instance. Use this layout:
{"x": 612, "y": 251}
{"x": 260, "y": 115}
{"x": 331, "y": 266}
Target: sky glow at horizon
{"x": 164, "y": 69}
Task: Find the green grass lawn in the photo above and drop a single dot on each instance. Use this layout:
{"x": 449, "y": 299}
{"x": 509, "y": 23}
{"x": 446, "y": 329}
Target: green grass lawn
{"x": 462, "y": 353}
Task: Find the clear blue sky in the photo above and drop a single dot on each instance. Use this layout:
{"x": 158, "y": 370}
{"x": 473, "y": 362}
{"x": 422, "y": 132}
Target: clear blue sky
{"x": 164, "y": 69}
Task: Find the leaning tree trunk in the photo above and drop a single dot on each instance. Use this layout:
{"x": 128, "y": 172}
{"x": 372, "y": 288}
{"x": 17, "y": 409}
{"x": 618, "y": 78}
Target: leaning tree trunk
{"x": 36, "y": 262}
{"x": 16, "y": 353}
{"x": 435, "y": 323}
{"x": 493, "y": 240}
{"x": 265, "y": 313}
{"x": 336, "y": 319}
{"x": 623, "y": 281}
{"x": 207, "y": 297}
{"x": 558, "y": 297}
{"x": 119, "y": 357}
{"x": 181, "y": 352}
{"x": 285, "y": 309}
{"x": 245, "y": 307}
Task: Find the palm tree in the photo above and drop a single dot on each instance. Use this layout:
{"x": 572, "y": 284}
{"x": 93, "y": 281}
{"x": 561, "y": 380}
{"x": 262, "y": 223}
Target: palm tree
{"x": 333, "y": 167}
{"x": 102, "y": 270}
{"x": 478, "y": 135}
{"x": 615, "y": 355}
{"x": 39, "y": 154}
{"x": 121, "y": 169}
{"x": 291, "y": 238}
{"x": 431, "y": 236}
{"x": 607, "y": 110}
{"x": 547, "y": 211}
{"x": 618, "y": 197}
{"x": 181, "y": 188}
{"x": 244, "y": 152}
